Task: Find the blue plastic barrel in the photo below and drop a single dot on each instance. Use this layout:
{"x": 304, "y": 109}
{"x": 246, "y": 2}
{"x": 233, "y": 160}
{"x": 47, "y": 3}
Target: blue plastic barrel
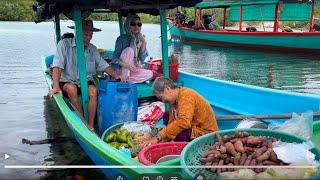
{"x": 117, "y": 103}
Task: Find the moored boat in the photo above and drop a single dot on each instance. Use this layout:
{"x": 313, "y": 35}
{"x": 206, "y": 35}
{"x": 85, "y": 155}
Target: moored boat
{"x": 225, "y": 97}
{"x": 251, "y": 37}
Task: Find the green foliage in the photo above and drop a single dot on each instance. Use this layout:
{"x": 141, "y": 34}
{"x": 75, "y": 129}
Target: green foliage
{"x": 16, "y": 10}
{"x": 21, "y": 10}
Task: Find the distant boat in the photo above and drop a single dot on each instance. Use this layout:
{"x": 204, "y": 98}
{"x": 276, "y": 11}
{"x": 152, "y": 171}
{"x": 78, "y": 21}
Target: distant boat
{"x": 227, "y": 98}
{"x": 273, "y": 10}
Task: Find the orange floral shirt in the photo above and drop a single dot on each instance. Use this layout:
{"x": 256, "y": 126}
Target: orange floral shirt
{"x": 191, "y": 110}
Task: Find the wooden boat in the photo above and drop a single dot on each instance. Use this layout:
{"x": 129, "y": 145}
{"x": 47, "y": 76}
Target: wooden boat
{"x": 225, "y": 97}
{"x": 274, "y": 10}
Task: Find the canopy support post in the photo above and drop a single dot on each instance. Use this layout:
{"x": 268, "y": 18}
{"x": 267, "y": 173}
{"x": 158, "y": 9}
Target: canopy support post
{"x": 224, "y": 17}
{"x": 82, "y": 71}
{"x": 121, "y": 26}
{"x": 277, "y": 17}
{"x": 164, "y": 42}
{"x": 240, "y": 20}
{"x": 57, "y": 28}
{"x": 311, "y": 17}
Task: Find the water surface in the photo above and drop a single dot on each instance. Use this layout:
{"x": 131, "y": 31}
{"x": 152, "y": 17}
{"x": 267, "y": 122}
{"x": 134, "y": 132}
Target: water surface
{"x": 27, "y": 112}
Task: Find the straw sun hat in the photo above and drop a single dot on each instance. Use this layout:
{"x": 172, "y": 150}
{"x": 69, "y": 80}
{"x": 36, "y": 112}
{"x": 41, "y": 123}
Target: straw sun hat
{"x": 87, "y": 25}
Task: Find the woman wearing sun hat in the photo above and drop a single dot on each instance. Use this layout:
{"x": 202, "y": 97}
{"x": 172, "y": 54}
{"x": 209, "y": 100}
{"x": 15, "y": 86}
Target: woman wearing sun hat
{"x": 130, "y": 52}
{"x": 65, "y": 72}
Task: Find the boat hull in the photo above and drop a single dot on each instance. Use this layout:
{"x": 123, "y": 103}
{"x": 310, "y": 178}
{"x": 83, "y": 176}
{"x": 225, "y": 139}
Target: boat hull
{"x": 224, "y": 96}
{"x": 300, "y": 42}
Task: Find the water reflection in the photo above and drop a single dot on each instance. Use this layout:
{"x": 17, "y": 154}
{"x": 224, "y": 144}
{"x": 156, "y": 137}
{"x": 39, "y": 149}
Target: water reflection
{"x": 67, "y": 153}
{"x": 278, "y": 71}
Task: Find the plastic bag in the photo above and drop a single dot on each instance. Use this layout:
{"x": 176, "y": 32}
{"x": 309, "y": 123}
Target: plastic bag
{"x": 300, "y": 125}
{"x": 151, "y": 113}
{"x": 137, "y": 127}
{"x": 295, "y": 154}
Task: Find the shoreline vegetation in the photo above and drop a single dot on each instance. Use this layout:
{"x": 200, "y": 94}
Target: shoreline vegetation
{"x": 21, "y": 10}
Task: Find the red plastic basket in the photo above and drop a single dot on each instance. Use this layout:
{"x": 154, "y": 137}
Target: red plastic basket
{"x": 155, "y": 66}
{"x": 151, "y": 154}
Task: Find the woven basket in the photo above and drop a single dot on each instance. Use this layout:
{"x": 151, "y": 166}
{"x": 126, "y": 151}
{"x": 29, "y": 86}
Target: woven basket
{"x": 192, "y": 152}
{"x": 151, "y": 154}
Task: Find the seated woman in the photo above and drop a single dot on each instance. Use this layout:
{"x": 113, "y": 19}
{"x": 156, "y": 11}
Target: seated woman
{"x": 190, "y": 115}
{"x": 130, "y": 52}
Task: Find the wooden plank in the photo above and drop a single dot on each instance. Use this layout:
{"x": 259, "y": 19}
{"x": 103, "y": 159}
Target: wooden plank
{"x": 265, "y": 116}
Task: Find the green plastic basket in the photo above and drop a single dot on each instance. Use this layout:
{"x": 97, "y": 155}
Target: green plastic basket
{"x": 192, "y": 152}
{"x": 316, "y": 134}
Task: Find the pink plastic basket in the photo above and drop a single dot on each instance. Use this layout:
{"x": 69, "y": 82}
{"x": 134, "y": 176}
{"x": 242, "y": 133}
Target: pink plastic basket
{"x": 151, "y": 154}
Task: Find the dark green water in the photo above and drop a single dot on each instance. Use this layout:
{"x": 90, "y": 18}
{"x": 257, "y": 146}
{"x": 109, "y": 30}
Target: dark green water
{"x": 27, "y": 112}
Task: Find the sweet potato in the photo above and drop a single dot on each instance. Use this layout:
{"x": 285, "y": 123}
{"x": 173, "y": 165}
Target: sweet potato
{"x": 230, "y": 149}
{"x": 222, "y": 149}
{"x": 226, "y": 138}
{"x": 249, "y": 149}
{"x": 224, "y": 156}
{"x": 269, "y": 163}
{"x": 237, "y": 159}
{"x": 241, "y": 134}
{"x": 243, "y": 159}
{"x": 265, "y": 155}
{"x": 274, "y": 158}
{"x": 230, "y": 169}
{"x": 258, "y": 170}
{"x": 248, "y": 160}
{"x": 228, "y": 160}
{"x": 219, "y": 139}
{"x": 260, "y": 151}
{"x": 221, "y": 163}
{"x": 270, "y": 143}
{"x": 254, "y": 141}
{"x": 238, "y": 146}
{"x": 213, "y": 169}
{"x": 206, "y": 160}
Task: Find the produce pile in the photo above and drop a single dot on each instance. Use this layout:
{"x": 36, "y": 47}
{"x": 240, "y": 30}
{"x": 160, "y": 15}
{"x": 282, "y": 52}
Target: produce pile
{"x": 124, "y": 138}
{"x": 240, "y": 149}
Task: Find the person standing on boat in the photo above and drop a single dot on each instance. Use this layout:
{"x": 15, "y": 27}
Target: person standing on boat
{"x": 65, "y": 72}
{"x": 130, "y": 52}
{"x": 190, "y": 115}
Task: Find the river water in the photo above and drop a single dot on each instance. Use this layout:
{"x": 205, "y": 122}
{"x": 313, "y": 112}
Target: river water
{"x": 27, "y": 112}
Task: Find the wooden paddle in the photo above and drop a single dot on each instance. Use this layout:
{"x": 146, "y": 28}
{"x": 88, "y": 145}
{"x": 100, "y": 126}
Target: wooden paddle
{"x": 263, "y": 116}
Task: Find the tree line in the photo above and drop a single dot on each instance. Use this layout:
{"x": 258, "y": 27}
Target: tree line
{"x": 21, "y": 10}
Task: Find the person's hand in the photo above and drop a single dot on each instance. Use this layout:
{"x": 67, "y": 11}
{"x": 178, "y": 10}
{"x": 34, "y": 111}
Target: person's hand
{"x": 142, "y": 38}
{"x": 55, "y": 90}
{"x": 139, "y": 65}
{"x": 146, "y": 140}
{"x": 121, "y": 78}
{"x": 132, "y": 68}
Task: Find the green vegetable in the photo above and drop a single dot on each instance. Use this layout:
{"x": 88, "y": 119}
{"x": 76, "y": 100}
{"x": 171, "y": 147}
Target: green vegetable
{"x": 122, "y": 138}
{"x": 110, "y": 137}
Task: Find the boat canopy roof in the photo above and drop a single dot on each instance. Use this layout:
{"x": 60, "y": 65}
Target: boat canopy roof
{"x": 264, "y": 10}
{"x": 230, "y": 3}
{"x": 46, "y": 9}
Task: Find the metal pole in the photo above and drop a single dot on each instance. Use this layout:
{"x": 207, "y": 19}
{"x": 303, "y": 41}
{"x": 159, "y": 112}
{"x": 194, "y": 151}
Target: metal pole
{"x": 82, "y": 71}
{"x": 120, "y": 20}
{"x": 276, "y": 19}
{"x": 164, "y": 42}
{"x": 311, "y": 17}
{"x": 57, "y": 27}
{"x": 224, "y": 17}
{"x": 240, "y": 20}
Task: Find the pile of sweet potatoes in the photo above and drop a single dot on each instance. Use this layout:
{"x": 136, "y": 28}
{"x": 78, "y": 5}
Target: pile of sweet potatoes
{"x": 240, "y": 149}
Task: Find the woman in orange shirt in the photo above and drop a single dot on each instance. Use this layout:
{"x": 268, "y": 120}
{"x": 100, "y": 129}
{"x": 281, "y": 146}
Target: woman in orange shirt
{"x": 190, "y": 114}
